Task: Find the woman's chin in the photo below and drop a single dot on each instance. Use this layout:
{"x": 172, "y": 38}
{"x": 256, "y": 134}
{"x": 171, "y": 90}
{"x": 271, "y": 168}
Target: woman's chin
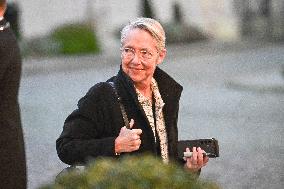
{"x": 136, "y": 79}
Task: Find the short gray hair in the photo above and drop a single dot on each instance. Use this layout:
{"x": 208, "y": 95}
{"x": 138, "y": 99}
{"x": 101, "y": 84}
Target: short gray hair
{"x": 147, "y": 24}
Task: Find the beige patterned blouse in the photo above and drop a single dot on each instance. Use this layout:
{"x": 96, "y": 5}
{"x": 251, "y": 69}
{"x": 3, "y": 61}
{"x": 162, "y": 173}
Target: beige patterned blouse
{"x": 160, "y": 122}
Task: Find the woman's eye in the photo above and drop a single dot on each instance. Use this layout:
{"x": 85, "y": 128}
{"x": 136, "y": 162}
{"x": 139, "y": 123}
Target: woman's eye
{"x": 144, "y": 52}
{"x": 127, "y": 50}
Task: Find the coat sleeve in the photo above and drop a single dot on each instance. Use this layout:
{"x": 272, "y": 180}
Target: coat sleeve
{"x": 88, "y": 132}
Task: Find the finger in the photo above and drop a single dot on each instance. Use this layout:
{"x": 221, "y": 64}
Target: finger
{"x": 204, "y": 156}
{"x": 137, "y": 142}
{"x": 199, "y": 149}
{"x": 131, "y": 123}
{"x": 134, "y": 136}
{"x": 194, "y": 156}
{"x": 123, "y": 131}
{"x": 199, "y": 156}
{"x": 123, "y": 128}
{"x": 135, "y": 145}
{"x": 205, "y": 160}
{"x": 137, "y": 131}
{"x": 137, "y": 137}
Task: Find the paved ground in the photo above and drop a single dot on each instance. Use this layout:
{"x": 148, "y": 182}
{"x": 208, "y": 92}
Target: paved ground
{"x": 233, "y": 92}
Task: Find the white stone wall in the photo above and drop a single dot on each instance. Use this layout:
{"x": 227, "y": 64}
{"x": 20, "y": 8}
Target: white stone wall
{"x": 109, "y": 16}
{"x": 38, "y": 17}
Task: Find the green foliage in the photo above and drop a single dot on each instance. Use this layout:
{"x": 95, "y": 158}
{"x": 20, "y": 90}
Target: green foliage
{"x": 75, "y": 39}
{"x": 132, "y": 172}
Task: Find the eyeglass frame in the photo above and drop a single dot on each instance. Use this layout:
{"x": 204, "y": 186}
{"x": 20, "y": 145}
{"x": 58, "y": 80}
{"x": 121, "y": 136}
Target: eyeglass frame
{"x": 140, "y": 54}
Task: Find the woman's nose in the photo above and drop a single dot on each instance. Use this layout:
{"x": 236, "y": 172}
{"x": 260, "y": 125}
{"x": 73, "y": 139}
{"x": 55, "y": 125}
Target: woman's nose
{"x": 136, "y": 59}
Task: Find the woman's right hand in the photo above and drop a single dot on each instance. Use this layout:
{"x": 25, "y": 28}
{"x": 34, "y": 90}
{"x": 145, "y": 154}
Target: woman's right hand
{"x": 128, "y": 140}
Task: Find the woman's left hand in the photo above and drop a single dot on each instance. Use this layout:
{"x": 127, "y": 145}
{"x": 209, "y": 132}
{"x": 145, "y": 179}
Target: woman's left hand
{"x": 196, "y": 161}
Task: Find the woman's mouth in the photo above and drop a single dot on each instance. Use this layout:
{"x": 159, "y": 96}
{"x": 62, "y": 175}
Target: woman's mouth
{"x": 137, "y": 69}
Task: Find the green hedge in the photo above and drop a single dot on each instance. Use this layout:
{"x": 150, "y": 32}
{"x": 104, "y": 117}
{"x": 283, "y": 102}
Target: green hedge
{"x": 143, "y": 172}
{"x": 75, "y": 39}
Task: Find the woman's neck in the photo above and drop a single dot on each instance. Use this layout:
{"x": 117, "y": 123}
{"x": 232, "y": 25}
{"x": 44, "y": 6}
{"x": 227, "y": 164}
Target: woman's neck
{"x": 145, "y": 90}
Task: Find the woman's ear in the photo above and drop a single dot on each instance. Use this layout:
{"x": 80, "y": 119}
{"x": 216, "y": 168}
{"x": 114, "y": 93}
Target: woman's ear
{"x": 162, "y": 55}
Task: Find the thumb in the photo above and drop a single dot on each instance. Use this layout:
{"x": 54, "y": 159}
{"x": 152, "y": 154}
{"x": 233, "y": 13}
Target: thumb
{"x": 122, "y": 128}
{"x": 131, "y": 123}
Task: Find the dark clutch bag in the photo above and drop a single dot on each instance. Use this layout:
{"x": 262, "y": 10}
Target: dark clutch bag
{"x": 210, "y": 146}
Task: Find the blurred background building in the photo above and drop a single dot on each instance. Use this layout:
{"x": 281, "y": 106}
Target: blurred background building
{"x": 217, "y": 19}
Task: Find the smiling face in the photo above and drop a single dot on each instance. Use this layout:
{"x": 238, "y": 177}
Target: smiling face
{"x": 140, "y": 69}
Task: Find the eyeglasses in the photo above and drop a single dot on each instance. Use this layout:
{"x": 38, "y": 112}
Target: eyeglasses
{"x": 129, "y": 53}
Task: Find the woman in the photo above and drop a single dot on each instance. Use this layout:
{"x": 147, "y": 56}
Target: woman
{"x": 151, "y": 100}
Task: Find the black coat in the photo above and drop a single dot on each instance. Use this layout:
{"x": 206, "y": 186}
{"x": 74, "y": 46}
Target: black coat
{"x": 90, "y": 131}
{"x": 12, "y": 154}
